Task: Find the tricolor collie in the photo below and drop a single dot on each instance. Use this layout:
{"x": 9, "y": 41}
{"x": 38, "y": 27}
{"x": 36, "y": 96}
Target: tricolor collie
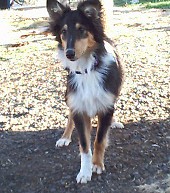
{"x": 94, "y": 79}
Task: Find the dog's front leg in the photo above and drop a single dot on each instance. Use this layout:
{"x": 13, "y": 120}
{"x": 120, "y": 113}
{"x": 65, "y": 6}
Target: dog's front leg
{"x": 104, "y": 122}
{"x": 83, "y": 125}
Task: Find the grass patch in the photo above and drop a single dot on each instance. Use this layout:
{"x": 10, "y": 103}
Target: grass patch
{"x": 158, "y": 5}
{"x": 149, "y": 4}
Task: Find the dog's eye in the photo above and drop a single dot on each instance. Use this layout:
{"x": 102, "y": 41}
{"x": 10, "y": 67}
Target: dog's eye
{"x": 64, "y": 31}
{"x": 81, "y": 30}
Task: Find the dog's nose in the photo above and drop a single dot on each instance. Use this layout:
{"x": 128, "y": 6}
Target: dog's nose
{"x": 70, "y": 54}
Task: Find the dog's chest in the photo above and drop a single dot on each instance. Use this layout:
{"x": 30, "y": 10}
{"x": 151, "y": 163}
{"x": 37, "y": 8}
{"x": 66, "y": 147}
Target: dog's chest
{"x": 89, "y": 94}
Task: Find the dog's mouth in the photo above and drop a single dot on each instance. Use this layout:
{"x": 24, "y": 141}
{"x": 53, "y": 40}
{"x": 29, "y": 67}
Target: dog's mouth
{"x": 72, "y": 59}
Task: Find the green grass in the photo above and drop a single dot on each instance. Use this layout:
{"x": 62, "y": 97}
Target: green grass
{"x": 158, "y": 5}
{"x": 119, "y": 2}
{"x": 149, "y": 4}
{"x": 151, "y": 1}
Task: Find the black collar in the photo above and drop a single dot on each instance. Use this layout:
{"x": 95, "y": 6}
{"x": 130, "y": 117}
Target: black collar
{"x": 94, "y": 66}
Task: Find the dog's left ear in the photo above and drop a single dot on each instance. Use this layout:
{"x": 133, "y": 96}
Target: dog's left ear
{"x": 55, "y": 9}
{"x": 91, "y": 8}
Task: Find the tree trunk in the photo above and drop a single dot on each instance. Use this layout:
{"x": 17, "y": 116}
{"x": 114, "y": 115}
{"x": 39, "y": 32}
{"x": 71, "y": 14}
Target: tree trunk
{"x": 108, "y": 16}
{"x": 64, "y": 2}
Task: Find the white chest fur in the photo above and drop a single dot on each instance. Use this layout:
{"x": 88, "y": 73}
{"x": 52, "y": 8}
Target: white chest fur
{"x": 90, "y": 96}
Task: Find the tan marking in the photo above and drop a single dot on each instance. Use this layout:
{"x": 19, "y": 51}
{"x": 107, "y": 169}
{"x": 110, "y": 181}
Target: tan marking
{"x": 81, "y": 47}
{"x": 64, "y": 43}
{"x": 99, "y": 149}
{"x": 98, "y": 154}
{"x": 78, "y": 25}
{"x": 69, "y": 129}
{"x": 91, "y": 41}
{"x": 84, "y": 45}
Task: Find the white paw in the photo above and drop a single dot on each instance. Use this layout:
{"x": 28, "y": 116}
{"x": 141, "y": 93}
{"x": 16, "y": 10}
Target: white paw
{"x": 117, "y": 125}
{"x": 85, "y": 173}
{"x": 84, "y": 176}
{"x": 63, "y": 142}
{"x": 97, "y": 169}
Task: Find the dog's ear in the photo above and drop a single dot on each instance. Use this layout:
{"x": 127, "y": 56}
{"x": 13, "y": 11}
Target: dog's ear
{"x": 55, "y": 9}
{"x": 91, "y": 8}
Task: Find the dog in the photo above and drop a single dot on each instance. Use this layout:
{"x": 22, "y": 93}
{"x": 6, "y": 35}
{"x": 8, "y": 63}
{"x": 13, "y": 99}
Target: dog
{"x": 94, "y": 79}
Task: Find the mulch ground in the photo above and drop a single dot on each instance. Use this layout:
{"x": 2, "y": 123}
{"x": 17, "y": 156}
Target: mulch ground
{"x": 33, "y": 112}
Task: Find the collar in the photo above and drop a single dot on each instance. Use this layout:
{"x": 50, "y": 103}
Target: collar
{"x": 94, "y": 66}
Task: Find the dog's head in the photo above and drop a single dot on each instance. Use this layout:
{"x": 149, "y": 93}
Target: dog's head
{"x": 78, "y": 31}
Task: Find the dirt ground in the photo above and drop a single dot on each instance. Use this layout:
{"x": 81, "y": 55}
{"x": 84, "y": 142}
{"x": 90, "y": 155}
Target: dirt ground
{"x": 33, "y": 113}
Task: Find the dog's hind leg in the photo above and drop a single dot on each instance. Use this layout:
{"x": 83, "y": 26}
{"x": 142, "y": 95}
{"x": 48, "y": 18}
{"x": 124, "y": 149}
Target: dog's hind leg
{"x": 100, "y": 143}
{"x": 66, "y": 137}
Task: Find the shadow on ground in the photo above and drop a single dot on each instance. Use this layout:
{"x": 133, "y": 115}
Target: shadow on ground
{"x": 137, "y": 155}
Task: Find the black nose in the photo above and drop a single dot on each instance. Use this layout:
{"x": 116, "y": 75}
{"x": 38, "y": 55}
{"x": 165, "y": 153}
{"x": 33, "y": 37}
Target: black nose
{"x": 70, "y": 54}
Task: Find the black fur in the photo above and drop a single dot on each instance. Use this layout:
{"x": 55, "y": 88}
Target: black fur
{"x": 79, "y": 124}
{"x": 104, "y": 124}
